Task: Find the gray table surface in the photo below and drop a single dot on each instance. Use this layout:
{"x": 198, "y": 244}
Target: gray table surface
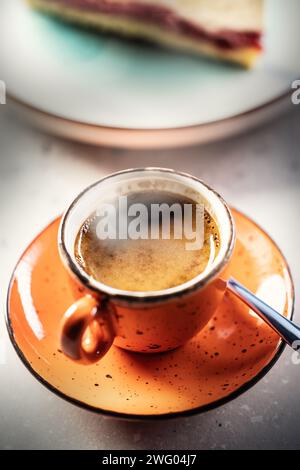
{"x": 258, "y": 173}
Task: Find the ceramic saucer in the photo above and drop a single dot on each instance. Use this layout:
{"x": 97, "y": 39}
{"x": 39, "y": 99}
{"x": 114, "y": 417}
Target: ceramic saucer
{"x": 226, "y": 358}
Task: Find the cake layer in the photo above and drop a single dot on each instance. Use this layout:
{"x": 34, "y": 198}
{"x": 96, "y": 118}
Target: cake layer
{"x": 160, "y": 23}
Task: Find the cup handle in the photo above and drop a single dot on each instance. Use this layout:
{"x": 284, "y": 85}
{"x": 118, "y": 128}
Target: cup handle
{"x": 87, "y": 330}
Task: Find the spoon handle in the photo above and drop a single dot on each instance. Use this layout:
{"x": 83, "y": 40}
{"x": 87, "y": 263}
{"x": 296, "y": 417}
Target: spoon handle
{"x": 288, "y": 330}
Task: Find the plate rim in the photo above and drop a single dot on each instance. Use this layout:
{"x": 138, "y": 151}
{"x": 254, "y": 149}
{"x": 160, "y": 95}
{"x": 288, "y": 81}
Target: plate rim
{"x": 150, "y": 417}
{"x": 246, "y": 113}
{"x": 149, "y": 138}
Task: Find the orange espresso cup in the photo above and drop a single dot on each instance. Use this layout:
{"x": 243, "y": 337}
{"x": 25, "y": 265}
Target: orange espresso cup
{"x": 144, "y": 322}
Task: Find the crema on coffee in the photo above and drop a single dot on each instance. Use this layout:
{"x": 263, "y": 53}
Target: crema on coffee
{"x": 148, "y": 264}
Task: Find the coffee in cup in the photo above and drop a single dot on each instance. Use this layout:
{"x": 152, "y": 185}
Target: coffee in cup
{"x": 142, "y": 294}
{"x": 149, "y": 263}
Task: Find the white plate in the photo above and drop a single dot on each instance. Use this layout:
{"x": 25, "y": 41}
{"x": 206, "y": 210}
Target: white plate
{"x": 128, "y": 90}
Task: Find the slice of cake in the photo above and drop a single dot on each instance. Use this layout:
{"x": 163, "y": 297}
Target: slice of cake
{"x": 230, "y": 30}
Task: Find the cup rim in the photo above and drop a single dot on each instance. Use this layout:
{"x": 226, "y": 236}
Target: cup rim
{"x": 100, "y": 288}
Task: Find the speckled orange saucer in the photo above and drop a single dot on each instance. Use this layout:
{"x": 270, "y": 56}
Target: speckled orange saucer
{"x": 234, "y": 350}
